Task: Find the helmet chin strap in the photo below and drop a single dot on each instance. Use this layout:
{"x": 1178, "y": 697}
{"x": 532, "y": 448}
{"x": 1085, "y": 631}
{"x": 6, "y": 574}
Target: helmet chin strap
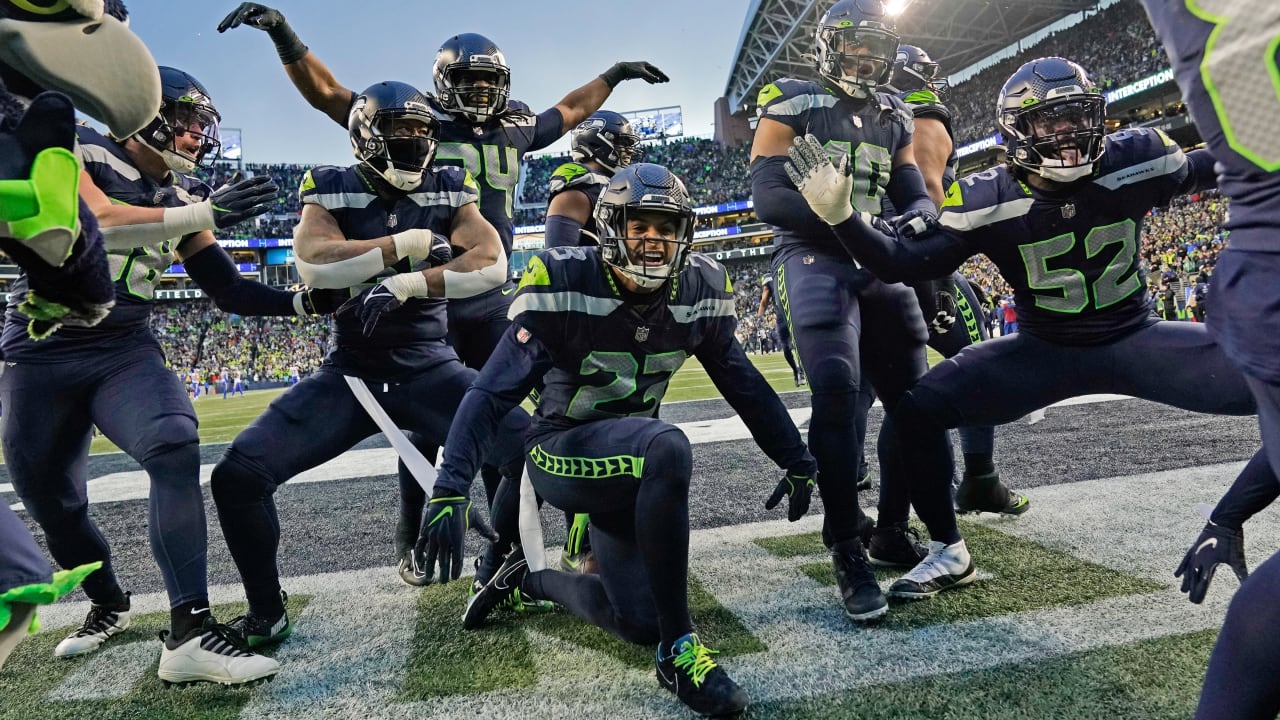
{"x": 175, "y": 161}
{"x": 401, "y": 179}
{"x": 1066, "y": 174}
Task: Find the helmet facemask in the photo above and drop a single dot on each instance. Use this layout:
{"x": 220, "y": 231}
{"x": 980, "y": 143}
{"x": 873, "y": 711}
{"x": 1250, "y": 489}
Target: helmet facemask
{"x": 184, "y": 133}
{"x": 856, "y": 58}
{"x": 1059, "y": 139}
{"x": 910, "y": 74}
{"x": 399, "y": 144}
{"x": 612, "y": 147}
{"x": 477, "y": 88}
{"x": 649, "y": 244}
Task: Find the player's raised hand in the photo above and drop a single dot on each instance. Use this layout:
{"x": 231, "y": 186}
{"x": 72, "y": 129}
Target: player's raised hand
{"x": 826, "y": 187}
{"x": 232, "y": 204}
{"x": 637, "y": 70}
{"x": 253, "y": 15}
{"x": 1217, "y": 545}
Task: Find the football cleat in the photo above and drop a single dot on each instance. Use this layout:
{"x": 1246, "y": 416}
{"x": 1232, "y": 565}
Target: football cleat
{"x": 859, "y": 590}
{"x": 583, "y": 563}
{"x": 800, "y": 379}
{"x": 258, "y": 631}
{"x": 896, "y": 546}
{"x": 944, "y": 568}
{"x": 504, "y": 585}
{"x": 100, "y": 624}
{"x": 212, "y": 653}
{"x": 690, "y": 672}
{"x": 985, "y": 493}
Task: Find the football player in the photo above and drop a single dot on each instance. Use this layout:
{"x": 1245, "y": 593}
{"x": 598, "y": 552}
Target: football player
{"x": 836, "y": 309}
{"x": 601, "y": 146}
{"x": 918, "y": 81}
{"x": 608, "y": 327}
{"x": 1225, "y": 61}
{"x": 481, "y": 130}
{"x": 391, "y": 336}
{"x": 55, "y": 391}
{"x": 769, "y": 295}
{"x": 1061, "y": 221}
{"x": 35, "y": 124}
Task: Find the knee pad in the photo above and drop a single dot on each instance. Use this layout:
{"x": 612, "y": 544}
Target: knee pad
{"x": 175, "y": 465}
{"x": 238, "y": 480}
{"x": 833, "y": 372}
{"x": 170, "y": 433}
{"x": 669, "y": 456}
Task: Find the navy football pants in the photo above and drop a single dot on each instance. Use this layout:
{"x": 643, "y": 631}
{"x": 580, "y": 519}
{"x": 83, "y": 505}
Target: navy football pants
{"x": 141, "y": 406}
{"x": 632, "y": 476}
{"x": 850, "y": 329}
{"x": 313, "y": 422}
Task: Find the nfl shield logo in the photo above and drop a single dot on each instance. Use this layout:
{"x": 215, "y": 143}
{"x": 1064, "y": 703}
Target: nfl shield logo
{"x": 857, "y": 121}
{"x": 1069, "y": 211}
{"x": 808, "y": 260}
{"x": 642, "y": 334}
{"x": 522, "y": 335}
{"x": 391, "y": 220}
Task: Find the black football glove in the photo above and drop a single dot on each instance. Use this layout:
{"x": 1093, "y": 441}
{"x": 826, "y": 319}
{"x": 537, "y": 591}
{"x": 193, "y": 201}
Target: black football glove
{"x": 441, "y": 251}
{"x": 369, "y": 306}
{"x": 1217, "y": 545}
{"x": 798, "y": 487}
{"x": 448, "y": 517}
{"x": 288, "y": 46}
{"x": 236, "y": 203}
{"x": 915, "y": 223}
{"x": 317, "y": 301}
{"x": 945, "y": 317}
{"x": 638, "y": 70}
{"x": 253, "y": 15}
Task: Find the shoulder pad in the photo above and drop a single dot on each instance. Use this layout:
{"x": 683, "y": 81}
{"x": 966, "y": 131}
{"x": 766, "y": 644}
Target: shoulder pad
{"x": 516, "y": 106}
{"x": 984, "y": 198}
{"x": 569, "y": 175}
{"x": 1138, "y": 155}
{"x": 789, "y": 96}
{"x": 322, "y": 178}
{"x": 710, "y": 277}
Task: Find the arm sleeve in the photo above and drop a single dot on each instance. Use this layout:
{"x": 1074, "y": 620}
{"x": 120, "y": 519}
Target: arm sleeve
{"x": 216, "y": 274}
{"x": 907, "y": 190}
{"x": 510, "y": 373}
{"x": 761, "y": 409}
{"x": 779, "y": 203}
{"x": 1253, "y": 491}
{"x": 873, "y": 244}
{"x": 548, "y": 128}
{"x": 562, "y": 231}
{"x": 1201, "y": 172}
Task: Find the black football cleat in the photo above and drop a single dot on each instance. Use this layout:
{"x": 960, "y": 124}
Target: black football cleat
{"x": 859, "y": 590}
{"x": 985, "y": 493}
{"x": 689, "y": 671}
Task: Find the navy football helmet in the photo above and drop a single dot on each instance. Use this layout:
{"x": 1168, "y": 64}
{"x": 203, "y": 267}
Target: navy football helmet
{"x": 654, "y": 194}
{"x": 461, "y": 63}
{"x": 394, "y": 132}
{"x": 858, "y": 37}
{"x": 1053, "y": 119}
{"x": 606, "y": 138}
{"x": 186, "y": 111}
{"x": 914, "y": 70}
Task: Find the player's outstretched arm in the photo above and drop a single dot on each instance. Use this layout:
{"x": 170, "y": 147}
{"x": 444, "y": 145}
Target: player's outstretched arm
{"x": 309, "y": 75}
{"x": 826, "y": 189}
{"x": 760, "y": 408}
{"x": 566, "y": 214}
{"x": 581, "y": 102}
{"x": 215, "y": 272}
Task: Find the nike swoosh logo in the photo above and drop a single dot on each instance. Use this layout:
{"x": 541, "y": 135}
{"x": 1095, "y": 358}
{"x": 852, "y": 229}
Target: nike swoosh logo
{"x": 1211, "y": 542}
{"x": 508, "y": 291}
{"x": 197, "y": 611}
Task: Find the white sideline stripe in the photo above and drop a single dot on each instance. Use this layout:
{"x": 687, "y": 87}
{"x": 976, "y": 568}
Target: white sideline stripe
{"x": 1141, "y": 524}
{"x": 134, "y": 484}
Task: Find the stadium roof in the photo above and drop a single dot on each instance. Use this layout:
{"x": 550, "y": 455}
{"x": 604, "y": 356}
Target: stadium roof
{"x": 957, "y": 33}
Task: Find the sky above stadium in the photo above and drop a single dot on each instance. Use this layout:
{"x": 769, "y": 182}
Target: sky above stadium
{"x": 553, "y": 46}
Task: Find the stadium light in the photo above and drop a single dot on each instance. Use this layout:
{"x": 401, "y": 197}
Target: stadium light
{"x": 895, "y": 7}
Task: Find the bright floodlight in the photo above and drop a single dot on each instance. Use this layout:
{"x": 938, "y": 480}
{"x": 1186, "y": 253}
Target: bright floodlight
{"x": 895, "y": 7}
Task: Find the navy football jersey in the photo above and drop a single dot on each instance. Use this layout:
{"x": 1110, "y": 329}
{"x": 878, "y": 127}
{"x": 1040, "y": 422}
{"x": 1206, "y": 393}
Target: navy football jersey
{"x": 575, "y": 176}
{"x": 411, "y": 338}
{"x": 491, "y": 153}
{"x": 1226, "y": 59}
{"x": 1072, "y": 257}
{"x": 611, "y": 358}
{"x": 136, "y": 272}
{"x": 881, "y": 126}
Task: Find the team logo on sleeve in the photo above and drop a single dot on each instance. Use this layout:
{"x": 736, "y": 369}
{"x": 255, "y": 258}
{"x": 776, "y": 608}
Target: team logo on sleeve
{"x": 522, "y": 335}
{"x": 642, "y": 333}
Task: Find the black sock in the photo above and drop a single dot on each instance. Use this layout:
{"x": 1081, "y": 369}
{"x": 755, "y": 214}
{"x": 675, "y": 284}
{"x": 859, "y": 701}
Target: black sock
{"x": 977, "y": 464}
{"x": 189, "y": 616}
